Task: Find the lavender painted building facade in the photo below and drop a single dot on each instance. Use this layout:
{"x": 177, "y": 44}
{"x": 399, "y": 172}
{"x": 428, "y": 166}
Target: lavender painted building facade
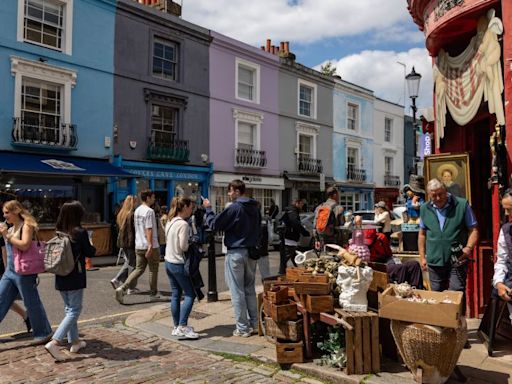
{"x": 244, "y": 121}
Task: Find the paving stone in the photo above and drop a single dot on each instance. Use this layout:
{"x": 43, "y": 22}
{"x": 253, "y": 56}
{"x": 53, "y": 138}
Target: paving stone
{"x": 265, "y": 370}
{"x": 308, "y": 380}
{"x": 287, "y": 376}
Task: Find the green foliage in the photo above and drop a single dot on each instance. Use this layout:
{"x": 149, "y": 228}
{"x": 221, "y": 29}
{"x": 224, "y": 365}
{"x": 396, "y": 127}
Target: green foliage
{"x": 328, "y": 69}
{"x": 333, "y": 347}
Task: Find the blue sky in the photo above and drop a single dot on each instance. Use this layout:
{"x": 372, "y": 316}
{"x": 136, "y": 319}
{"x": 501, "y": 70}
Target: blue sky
{"x": 364, "y": 39}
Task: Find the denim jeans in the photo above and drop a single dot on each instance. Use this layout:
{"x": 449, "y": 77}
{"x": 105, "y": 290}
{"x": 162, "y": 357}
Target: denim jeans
{"x": 142, "y": 262}
{"x": 264, "y": 266}
{"x": 240, "y": 271}
{"x": 128, "y": 266}
{"x": 10, "y": 285}
{"x": 180, "y": 284}
{"x": 72, "y": 308}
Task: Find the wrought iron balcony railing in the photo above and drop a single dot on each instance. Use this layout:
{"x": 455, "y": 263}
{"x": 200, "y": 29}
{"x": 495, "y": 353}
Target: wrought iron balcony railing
{"x": 356, "y": 174}
{"x": 250, "y": 158}
{"x": 175, "y": 150}
{"x": 34, "y": 132}
{"x": 307, "y": 164}
{"x": 391, "y": 180}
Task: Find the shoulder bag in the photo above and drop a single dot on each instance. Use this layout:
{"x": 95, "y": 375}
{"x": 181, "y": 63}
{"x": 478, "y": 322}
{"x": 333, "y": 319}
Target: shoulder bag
{"x": 31, "y": 261}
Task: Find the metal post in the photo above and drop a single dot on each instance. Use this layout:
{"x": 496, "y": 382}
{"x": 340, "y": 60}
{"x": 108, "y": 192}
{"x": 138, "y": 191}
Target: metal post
{"x": 212, "y": 268}
{"x": 414, "y": 158}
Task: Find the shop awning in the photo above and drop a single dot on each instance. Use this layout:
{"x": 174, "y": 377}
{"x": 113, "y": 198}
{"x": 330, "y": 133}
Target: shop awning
{"x": 58, "y": 165}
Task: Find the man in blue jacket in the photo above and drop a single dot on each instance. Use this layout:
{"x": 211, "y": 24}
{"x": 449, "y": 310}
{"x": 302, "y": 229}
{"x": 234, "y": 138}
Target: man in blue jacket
{"x": 240, "y": 222}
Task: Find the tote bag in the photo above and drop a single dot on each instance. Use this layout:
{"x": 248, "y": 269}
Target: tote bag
{"x": 31, "y": 261}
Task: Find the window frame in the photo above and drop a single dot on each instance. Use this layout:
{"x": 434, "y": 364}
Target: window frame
{"x": 388, "y": 130}
{"x": 391, "y": 165}
{"x": 67, "y": 26}
{"x": 252, "y": 118}
{"x": 356, "y": 117}
{"x": 256, "y": 69}
{"x": 176, "y": 122}
{"x": 162, "y": 40}
{"x": 314, "y": 88}
{"x": 357, "y": 157}
{"x": 66, "y": 78}
{"x": 306, "y": 129}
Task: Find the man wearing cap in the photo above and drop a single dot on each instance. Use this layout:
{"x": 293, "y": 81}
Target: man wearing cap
{"x": 382, "y": 218}
{"x": 448, "y": 234}
{"x": 415, "y": 194}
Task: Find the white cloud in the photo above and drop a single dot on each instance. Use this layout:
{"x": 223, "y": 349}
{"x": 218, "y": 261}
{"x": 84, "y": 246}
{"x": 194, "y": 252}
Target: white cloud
{"x": 304, "y": 21}
{"x": 380, "y": 72}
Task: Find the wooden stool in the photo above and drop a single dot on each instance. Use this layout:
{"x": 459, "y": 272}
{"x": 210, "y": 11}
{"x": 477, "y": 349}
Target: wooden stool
{"x": 492, "y": 321}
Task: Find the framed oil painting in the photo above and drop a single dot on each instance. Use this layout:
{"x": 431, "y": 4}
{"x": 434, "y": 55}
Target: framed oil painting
{"x": 452, "y": 170}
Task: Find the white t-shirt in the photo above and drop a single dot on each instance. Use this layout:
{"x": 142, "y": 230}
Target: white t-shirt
{"x": 384, "y": 219}
{"x": 145, "y": 218}
{"x": 176, "y": 239}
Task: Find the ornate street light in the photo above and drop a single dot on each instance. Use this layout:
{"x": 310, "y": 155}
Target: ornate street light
{"x": 413, "y": 85}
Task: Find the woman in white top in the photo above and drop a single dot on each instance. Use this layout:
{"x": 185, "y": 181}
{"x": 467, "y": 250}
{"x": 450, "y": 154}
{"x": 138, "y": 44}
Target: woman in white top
{"x": 177, "y": 237}
{"x": 383, "y": 218}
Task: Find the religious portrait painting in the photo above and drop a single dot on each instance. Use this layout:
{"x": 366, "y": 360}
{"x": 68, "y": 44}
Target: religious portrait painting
{"x": 452, "y": 170}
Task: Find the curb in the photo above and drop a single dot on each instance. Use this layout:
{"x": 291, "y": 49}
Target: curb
{"x": 154, "y": 313}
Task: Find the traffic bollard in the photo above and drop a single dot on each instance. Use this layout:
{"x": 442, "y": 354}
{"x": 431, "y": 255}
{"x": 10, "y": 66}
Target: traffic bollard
{"x": 212, "y": 268}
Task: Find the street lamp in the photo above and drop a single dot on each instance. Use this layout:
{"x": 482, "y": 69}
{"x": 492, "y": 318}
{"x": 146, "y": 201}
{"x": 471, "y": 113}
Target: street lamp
{"x": 413, "y": 85}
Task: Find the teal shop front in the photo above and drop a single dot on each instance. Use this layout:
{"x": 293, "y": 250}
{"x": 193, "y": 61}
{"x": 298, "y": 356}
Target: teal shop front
{"x": 166, "y": 180}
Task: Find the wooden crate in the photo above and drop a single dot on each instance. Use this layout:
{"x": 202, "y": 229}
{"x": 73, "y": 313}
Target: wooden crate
{"x": 312, "y": 288}
{"x": 282, "y": 312}
{"x": 285, "y": 330}
{"x": 288, "y": 353}
{"x": 278, "y": 294}
{"x": 292, "y": 274}
{"x": 362, "y": 343}
{"x": 308, "y": 277}
{"x": 317, "y": 304}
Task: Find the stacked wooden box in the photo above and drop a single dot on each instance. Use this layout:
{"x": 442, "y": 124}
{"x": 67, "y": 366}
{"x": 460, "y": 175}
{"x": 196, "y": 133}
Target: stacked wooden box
{"x": 283, "y": 324}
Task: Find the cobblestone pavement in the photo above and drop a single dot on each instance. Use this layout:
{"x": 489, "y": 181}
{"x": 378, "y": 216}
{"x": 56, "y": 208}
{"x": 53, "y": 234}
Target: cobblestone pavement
{"x": 118, "y": 354}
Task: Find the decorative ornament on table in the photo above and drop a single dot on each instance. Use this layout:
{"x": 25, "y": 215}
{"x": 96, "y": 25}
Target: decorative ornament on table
{"x": 357, "y": 245}
{"x": 404, "y": 290}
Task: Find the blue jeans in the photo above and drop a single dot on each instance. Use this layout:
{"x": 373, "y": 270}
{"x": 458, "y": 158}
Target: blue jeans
{"x": 10, "y": 285}
{"x": 240, "y": 271}
{"x": 180, "y": 284}
{"x": 72, "y": 309}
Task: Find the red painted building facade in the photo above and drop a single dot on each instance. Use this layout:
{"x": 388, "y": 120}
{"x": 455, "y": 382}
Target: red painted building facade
{"x": 475, "y": 35}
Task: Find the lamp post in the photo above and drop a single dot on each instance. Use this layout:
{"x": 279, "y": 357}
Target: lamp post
{"x": 413, "y": 85}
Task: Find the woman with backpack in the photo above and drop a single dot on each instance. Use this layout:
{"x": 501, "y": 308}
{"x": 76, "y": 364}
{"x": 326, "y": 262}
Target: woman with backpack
{"x": 71, "y": 286}
{"x": 126, "y": 243}
{"x": 12, "y": 284}
{"x": 177, "y": 234}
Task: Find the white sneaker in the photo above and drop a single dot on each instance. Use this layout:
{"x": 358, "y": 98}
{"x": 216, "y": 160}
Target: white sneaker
{"x": 176, "y": 331}
{"x": 133, "y": 291}
{"x": 77, "y": 346}
{"x": 115, "y": 283}
{"x": 120, "y": 295}
{"x": 54, "y": 350}
{"x": 187, "y": 332}
{"x": 239, "y": 333}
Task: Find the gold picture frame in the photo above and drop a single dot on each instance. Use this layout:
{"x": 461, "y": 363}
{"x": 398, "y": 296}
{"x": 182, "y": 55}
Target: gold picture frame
{"x": 448, "y": 166}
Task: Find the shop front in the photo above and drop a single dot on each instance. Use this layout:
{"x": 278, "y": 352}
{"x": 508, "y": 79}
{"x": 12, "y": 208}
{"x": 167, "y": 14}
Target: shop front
{"x": 264, "y": 189}
{"x": 42, "y": 183}
{"x": 167, "y": 180}
{"x": 356, "y": 197}
{"x": 310, "y": 188}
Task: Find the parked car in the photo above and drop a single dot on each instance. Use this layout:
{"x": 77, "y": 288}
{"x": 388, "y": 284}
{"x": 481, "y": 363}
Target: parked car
{"x": 305, "y": 242}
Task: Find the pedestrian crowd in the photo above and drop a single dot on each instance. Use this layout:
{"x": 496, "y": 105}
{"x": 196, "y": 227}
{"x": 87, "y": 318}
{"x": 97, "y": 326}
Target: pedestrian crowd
{"x": 448, "y": 233}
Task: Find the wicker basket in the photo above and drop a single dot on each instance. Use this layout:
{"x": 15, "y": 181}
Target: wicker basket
{"x": 422, "y": 346}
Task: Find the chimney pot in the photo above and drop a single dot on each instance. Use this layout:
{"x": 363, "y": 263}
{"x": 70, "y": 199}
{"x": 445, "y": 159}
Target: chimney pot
{"x": 268, "y": 45}
{"x": 262, "y": 47}
{"x": 281, "y": 46}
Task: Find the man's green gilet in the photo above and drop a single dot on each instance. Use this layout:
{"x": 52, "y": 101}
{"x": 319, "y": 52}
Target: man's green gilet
{"x": 439, "y": 242}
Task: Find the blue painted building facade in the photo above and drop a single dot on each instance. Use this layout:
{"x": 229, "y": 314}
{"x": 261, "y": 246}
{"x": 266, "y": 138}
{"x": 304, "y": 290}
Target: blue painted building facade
{"x": 353, "y": 144}
{"x": 56, "y": 105}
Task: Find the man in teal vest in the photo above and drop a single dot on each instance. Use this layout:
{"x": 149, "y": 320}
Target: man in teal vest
{"x": 448, "y": 234}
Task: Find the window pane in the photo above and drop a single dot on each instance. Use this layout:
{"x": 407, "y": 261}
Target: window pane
{"x": 246, "y": 133}
{"x": 245, "y": 75}
{"x": 158, "y": 50}
{"x": 245, "y": 91}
